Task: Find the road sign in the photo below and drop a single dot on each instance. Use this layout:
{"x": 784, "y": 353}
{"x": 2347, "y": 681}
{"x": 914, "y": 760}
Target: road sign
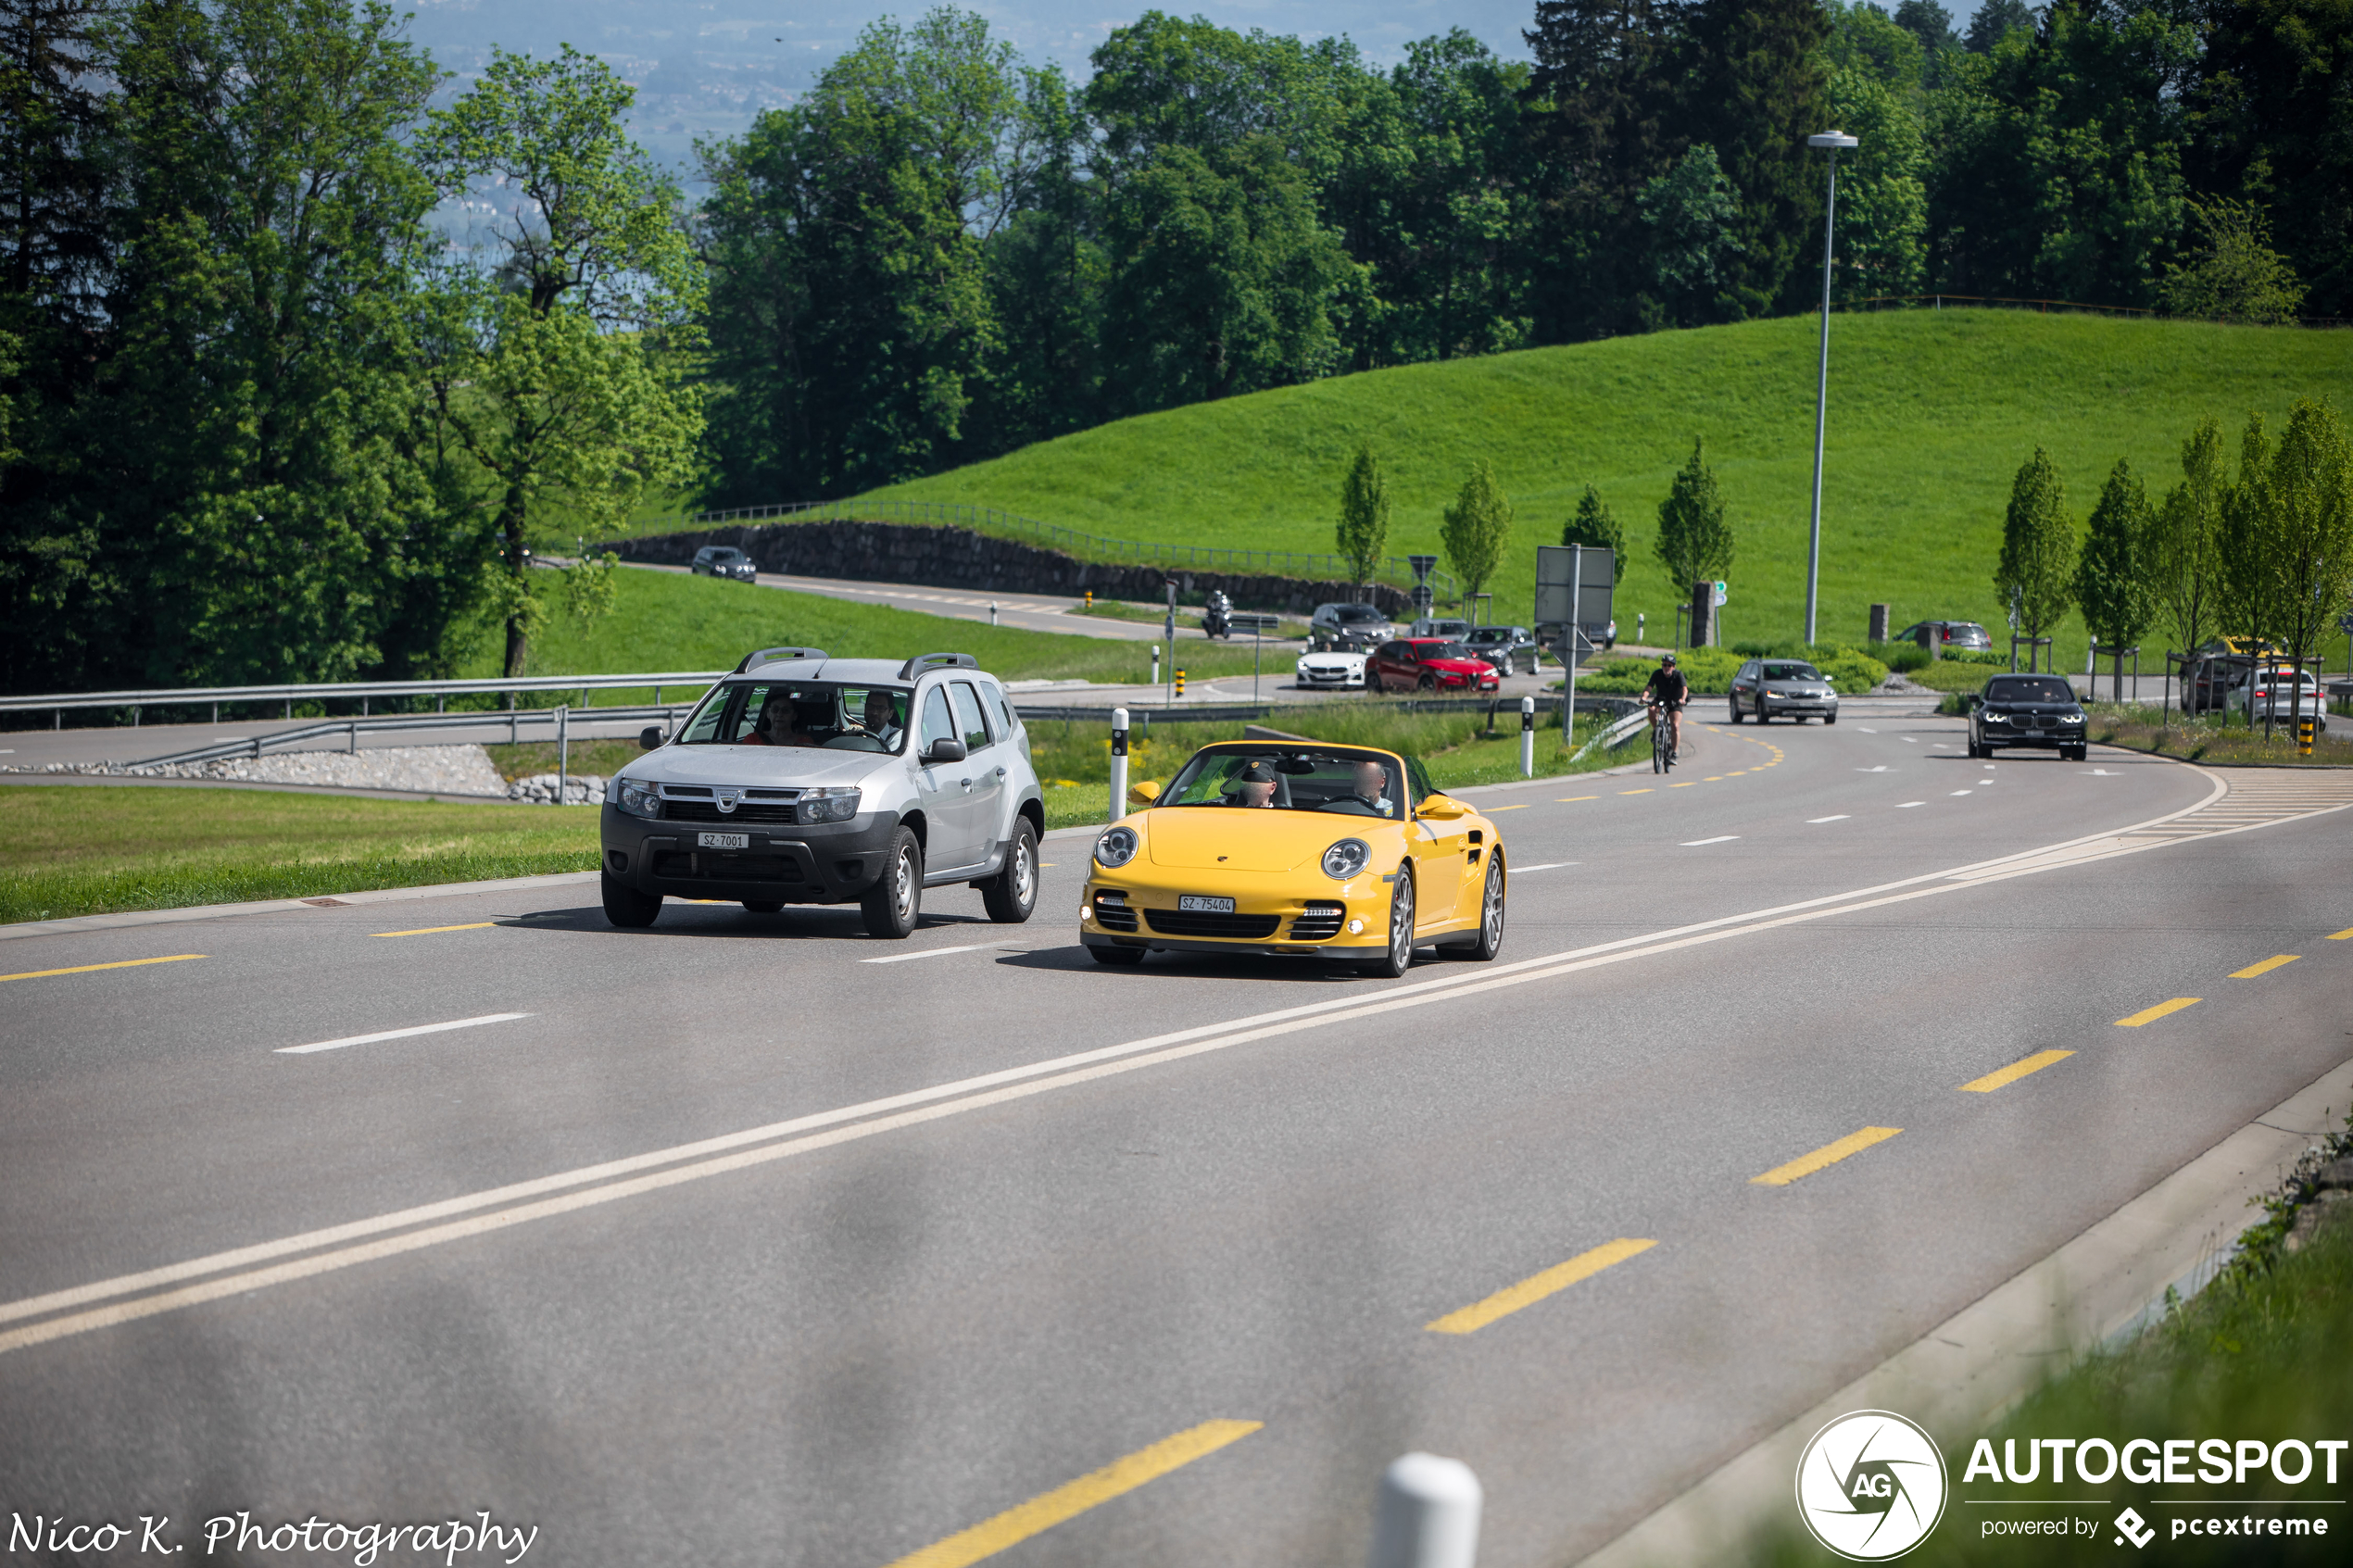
{"x": 1721, "y": 593}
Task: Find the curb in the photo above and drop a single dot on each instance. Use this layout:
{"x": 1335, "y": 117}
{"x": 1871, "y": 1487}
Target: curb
{"x": 2092, "y": 1293}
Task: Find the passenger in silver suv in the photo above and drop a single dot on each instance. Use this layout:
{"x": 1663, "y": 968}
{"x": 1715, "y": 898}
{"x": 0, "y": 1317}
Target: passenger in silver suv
{"x": 804, "y": 779}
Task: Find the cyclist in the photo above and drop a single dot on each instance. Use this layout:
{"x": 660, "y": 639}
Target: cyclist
{"x": 1668, "y": 689}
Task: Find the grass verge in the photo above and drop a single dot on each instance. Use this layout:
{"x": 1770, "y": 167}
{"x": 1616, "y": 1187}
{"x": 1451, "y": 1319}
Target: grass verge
{"x": 83, "y": 851}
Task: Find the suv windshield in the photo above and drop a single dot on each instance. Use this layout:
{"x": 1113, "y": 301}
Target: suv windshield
{"x": 1781, "y": 672}
{"x": 1355, "y": 614}
{"x": 803, "y": 713}
{"x": 1354, "y": 784}
{"x": 2028, "y": 688}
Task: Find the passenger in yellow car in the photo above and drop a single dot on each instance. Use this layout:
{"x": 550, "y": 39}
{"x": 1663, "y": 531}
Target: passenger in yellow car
{"x": 1255, "y": 785}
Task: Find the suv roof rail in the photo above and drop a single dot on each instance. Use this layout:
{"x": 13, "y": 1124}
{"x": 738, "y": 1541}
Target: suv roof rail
{"x": 777, "y": 656}
{"x": 924, "y": 661}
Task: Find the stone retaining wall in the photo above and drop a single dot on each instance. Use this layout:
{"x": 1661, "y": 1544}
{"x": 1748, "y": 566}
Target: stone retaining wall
{"x": 959, "y": 558}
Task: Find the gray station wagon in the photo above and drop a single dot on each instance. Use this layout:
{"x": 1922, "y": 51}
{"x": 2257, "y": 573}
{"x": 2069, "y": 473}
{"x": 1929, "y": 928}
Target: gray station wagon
{"x": 804, "y": 779}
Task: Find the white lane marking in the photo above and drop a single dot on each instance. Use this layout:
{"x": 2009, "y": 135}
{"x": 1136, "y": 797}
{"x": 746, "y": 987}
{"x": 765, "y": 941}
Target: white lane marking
{"x": 930, "y": 953}
{"x": 1839, "y": 818}
{"x": 1719, "y": 838}
{"x": 1960, "y": 792}
{"x": 1908, "y": 740}
{"x": 398, "y": 1033}
{"x": 1867, "y": 729}
{"x": 1880, "y": 768}
{"x": 1902, "y": 804}
{"x": 1547, "y": 866}
{"x": 1058, "y": 1072}
{"x": 2104, "y": 773}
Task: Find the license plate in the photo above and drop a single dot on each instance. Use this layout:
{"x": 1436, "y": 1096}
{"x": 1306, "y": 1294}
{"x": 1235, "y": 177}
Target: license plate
{"x": 1195, "y": 903}
{"x": 723, "y": 841}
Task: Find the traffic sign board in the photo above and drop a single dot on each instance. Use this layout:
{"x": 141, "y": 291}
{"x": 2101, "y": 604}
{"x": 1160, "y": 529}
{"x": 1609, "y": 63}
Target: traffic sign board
{"x": 1721, "y": 591}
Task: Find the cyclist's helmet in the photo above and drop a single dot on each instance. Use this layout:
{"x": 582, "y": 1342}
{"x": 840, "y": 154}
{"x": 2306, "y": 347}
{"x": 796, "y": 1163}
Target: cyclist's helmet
{"x": 1667, "y": 662}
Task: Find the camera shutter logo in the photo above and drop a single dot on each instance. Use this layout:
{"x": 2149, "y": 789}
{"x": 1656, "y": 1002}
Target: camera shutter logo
{"x": 1871, "y": 1485}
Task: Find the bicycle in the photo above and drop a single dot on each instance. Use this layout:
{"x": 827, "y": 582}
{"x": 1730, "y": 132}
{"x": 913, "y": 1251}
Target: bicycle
{"x": 1662, "y": 739}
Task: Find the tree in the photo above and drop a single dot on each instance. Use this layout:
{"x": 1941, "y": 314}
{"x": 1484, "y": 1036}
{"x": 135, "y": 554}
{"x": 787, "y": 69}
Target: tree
{"x": 2230, "y": 272}
{"x": 1476, "y": 529}
{"x": 1363, "y": 515}
{"x": 1694, "y": 538}
{"x": 1875, "y": 95}
{"x": 2306, "y": 527}
{"x": 2113, "y": 580}
{"x": 1593, "y": 523}
{"x": 2249, "y": 585}
{"x": 2184, "y": 536}
{"x": 1929, "y": 22}
{"x": 2037, "y": 566}
{"x": 1994, "y": 20}
{"x": 1691, "y": 217}
{"x": 555, "y": 380}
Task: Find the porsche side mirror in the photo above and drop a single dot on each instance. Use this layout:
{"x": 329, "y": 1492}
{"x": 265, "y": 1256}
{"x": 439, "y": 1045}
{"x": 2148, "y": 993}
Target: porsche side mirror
{"x": 1441, "y": 808}
{"x": 1144, "y": 794}
{"x": 944, "y": 750}
{"x": 650, "y": 738}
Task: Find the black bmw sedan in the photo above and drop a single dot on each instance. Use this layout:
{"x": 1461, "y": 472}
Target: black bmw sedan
{"x": 2015, "y": 710}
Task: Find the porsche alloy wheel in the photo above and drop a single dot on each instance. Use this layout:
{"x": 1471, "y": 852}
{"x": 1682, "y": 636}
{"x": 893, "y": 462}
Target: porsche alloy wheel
{"x": 1398, "y": 957}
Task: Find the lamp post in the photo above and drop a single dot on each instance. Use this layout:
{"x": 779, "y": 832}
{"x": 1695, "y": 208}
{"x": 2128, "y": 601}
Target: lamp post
{"x": 1829, "y": 141}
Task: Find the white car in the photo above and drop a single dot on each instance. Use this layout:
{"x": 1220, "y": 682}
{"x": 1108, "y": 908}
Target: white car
{"x": 1333, "y": 668}
{"x": 2273, "y": 692}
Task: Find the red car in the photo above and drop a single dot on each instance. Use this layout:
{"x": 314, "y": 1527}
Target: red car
{"x": 1428, "y": 664}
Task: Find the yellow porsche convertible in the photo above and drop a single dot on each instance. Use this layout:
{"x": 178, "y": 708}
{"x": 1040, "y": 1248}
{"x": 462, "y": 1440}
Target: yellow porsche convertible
{"x": 1296, "y": 847}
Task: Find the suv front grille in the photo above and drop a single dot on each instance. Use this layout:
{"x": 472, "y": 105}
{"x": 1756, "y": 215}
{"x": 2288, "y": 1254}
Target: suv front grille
{"x": 678, "y": 811}
{"x": 706, "y": 866}
{"x": 1318, "y": 922}
{"x": 1241, "y": 928}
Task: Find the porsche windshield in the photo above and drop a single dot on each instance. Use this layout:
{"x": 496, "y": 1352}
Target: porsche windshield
{"x": 2028, "y": 688}
{"x": 1345, "y": 784}
{"x": 803, "y": 713}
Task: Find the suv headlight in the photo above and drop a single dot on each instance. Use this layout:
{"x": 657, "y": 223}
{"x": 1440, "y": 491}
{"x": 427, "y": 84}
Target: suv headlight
{"x": 1116, "y": 848}
{"x": 1347, "y": 858}
{"x": 834, "y": 803}
{"x": 634, "y": 796}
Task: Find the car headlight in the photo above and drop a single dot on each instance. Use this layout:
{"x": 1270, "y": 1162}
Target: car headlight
{"x": 1347, "y": 858}
{"x": 833, "y": 803}
{"x": 1996, "y": 717}
{"x": 2071, "y": 718}
{"x": 638, "y": 798}
{"x": 1116, "y": 848}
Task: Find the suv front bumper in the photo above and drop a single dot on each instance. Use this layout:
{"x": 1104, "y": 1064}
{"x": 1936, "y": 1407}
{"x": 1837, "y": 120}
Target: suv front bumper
{"x": 788, "y": 863}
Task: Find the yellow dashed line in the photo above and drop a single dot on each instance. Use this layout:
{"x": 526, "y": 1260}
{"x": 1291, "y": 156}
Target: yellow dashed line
{"x": 2251, "y": 970}
{"x": 1535, "y": 1288}
{"x": 2150, "y": 1015}
{"x": 90, "y": 968}
{"x": 2014, "y": 1071}
{"x": 1521, "y": 807}
{"x": 1828, "y": 1155}
{"x": 1643, "y": 791}
{"x": 431, "y": 930}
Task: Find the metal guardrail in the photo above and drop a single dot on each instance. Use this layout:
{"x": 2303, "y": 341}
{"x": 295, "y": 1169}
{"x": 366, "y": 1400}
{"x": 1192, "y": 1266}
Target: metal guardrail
{"x": 361, "y": 692}
{"x": 513, "y": 720}
{"x": 1393, "y": 570}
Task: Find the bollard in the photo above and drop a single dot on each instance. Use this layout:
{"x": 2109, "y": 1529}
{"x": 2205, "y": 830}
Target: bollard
{"x": 1528, "y": 737}
{"x": 351, "y": 737}
{"x": 1429, "y": 1514}
{"x": 1155, "y": 664}
{"x": 992, "y": 612}
{"x": 1637, "y": 626}
{"x": 1118, "y": 763}
{"x": 563, "y": 749}
{"x": 1090, "y": 598}
{"x": 1180, "y": 683}
{"x": 2304, "y": 724}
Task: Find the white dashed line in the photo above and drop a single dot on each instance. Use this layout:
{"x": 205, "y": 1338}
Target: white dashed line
{"x": 930, "y": 953}
{"x": 1880, "y": 768}
{"x": 1902, "y": 805}
{"x": 1839, "y": 818}
{"x": 398, "y": 1033}
{"x": 1547, "y": 866}
{"x": 1719, "y": 838}
{"x": 1960, "y": 792}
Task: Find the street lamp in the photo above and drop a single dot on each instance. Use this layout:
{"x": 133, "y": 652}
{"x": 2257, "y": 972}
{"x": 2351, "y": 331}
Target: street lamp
{"x": 1829, "y": 141}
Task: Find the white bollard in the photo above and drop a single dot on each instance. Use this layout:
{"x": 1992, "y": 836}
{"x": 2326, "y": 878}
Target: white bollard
{"x": 1118, "y": 763}
{"x": 1528, "y": 737}
{"x": 1429, "y": 1514}
{"x": 992, "y": 612}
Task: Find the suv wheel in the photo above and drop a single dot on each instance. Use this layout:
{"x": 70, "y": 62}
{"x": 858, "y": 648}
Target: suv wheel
{"x": 627, "y": 908}
{"x": 897, "y": 898}
{"x": 1012, "y": 893}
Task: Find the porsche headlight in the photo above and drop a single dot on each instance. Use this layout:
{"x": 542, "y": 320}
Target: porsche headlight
{"x": 1347, "y": 858}
{"x": 834, "y": 803}
{"x": 634, "y": 796}
{"x": 1116, "y": 848}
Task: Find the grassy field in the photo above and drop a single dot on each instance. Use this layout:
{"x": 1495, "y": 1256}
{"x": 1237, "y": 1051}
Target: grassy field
{"x": 669, "y": 620}
{"x": 81, "y": 851}
{"x": 1931, "y": 413}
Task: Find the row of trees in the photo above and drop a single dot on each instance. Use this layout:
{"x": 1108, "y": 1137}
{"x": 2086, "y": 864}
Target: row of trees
{"x": 261, "y": 423}
{"x": 942, "y": 253}
{"x": 2264, "y": 551}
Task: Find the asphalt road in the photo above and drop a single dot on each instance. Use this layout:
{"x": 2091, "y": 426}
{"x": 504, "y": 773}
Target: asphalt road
{"x": 739, "y": 1246}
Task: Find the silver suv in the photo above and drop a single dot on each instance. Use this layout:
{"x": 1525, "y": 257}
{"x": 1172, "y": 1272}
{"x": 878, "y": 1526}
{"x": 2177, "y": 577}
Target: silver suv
{"x": 804, "y": 779}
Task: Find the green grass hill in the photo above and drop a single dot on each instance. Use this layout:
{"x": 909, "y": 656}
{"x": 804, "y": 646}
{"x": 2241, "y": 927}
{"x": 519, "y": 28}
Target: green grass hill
{"x": 1931, "y": 413}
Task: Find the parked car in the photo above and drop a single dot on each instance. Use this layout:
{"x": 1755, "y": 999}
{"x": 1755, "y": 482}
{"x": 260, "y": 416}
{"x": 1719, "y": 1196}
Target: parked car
{"x": 2027, "y": 711}
{"x": 2271, "y": 692}
{"x": 1341, "y": 668}
{"x": 1957, "y": 635}
{"x": 804, "y": 779}
{"x": 1766, "y": 688}
{"x": 724, "y": 560}
{"x": 1305, "y": 850}
{"x": 1506, "y": 647}
{"x": 1428, "y": 664}
{"x": 1349, "y": 625}
{"x": 1438, "y": 626}
{"x": 2207, "y": 684}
